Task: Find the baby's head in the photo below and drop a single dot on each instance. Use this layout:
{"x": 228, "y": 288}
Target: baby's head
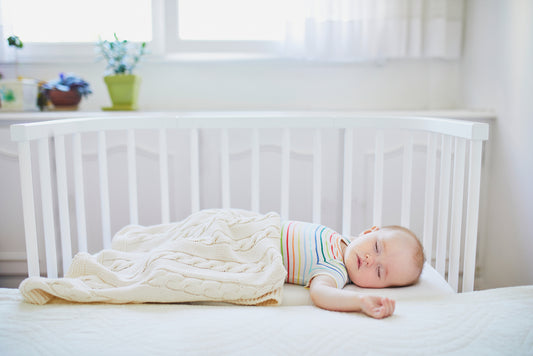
{"x": 384, "y": 257}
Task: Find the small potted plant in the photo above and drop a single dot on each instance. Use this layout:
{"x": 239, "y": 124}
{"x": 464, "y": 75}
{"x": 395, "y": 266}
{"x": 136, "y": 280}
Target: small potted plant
{"x": 66, "y": 92}
{"x": 16, "y": 43}
{"x": 122, "y": 58}
{"x": 19, "y": 94}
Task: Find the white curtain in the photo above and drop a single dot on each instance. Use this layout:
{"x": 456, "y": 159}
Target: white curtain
{"x": 373, "y": 30}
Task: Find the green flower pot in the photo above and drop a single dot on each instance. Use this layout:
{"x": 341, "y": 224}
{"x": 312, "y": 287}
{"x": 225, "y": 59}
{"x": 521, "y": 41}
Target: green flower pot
{"x": 123, "y": 90}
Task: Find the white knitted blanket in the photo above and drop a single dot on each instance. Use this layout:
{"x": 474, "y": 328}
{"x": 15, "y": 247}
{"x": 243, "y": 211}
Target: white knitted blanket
{"x": 213, "y": 255}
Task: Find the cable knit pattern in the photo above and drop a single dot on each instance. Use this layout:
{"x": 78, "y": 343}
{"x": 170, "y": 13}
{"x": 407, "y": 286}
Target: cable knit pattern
{"x": 213, "y": 255}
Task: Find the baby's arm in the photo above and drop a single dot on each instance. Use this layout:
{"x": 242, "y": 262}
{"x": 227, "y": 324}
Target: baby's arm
{"x": 326, "y": 295}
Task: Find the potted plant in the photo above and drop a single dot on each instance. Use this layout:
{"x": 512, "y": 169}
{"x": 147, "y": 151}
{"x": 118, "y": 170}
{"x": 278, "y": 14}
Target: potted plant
{"x": 66, "y": 92}
{"x": 19, "y": 94}
{"x": 122, "y": 58}
{"x": 16, "y": 43}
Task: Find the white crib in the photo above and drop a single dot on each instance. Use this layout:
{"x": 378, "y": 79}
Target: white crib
{"x": 332, "y": 168}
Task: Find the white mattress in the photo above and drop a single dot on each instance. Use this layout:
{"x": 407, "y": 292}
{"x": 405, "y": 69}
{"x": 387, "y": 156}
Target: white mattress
{"x": 497, "y": 321}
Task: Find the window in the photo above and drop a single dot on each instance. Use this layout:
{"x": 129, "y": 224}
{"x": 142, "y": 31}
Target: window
{"x": 64, "y": 21}
{"x": 66, "y": 30}
{"x": 230, "y": 20}
{"x": 224, "y": 26}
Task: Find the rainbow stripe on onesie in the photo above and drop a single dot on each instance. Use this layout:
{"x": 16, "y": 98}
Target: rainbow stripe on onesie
{"x": 311, "y": 249}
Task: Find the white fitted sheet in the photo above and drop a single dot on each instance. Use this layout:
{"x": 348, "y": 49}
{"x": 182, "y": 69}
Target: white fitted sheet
{"x": 497, "y": 321}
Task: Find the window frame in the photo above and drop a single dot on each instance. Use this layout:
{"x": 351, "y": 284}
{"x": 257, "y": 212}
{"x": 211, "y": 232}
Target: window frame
{"x": 165, "y": 44}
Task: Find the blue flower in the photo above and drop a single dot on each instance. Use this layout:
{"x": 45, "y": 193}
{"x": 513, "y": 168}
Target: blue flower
{"x": 66, "y": 82}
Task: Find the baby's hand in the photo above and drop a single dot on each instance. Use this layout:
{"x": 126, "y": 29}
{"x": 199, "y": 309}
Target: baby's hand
{"x": 377, "y": 307}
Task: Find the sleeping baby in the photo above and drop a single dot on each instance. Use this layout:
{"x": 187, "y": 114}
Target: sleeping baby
{"x": 317, "y": 257}
{"x": 231, "y": 255}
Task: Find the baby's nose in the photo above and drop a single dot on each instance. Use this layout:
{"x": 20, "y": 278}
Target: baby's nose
{"x": 369, "y": 259}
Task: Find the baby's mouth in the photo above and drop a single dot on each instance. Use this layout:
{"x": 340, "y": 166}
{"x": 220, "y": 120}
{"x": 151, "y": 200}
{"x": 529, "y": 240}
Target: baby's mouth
{"x": 358, "y": 262}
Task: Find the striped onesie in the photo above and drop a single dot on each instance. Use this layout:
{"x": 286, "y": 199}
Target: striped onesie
{"x": 311, "y": 249}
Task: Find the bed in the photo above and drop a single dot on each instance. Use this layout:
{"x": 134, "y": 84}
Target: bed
{"x": 84, "y": 179}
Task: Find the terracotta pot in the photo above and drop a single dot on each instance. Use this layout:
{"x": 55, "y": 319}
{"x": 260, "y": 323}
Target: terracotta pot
{"x": 64, "y": 98}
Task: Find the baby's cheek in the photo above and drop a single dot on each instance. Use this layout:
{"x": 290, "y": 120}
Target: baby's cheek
{"x": 364, "y": 279}
{"x": 356, "y": 276}
{"x": 352, "y": 271}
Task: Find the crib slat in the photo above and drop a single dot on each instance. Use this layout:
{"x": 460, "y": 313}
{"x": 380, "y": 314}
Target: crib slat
{"x": 378, "y": 178}
{"x": 104, "y": 189}
{"x": 347, "y": 183}
{"x": 48, "y": 208}
{"x": 163, "y": 176}
{"x": 285, "y": 173}
{"x": 195, "y": 171}
{"x": 77, "y": 162}
{"x": 255, "y": 195}
{"x": 444, "y": 204}
{"x": 62, "y": 195}
{"x": 317, "y": 176}
{"x": 224, "y": 169}
{"x": 132, "y": 178}
{"x": 28, "y": 208}
{"x": 457, "y": 212}
{"x": 472, "y": 215}
{"x": 407, "y": 181}
{"x": 429, "y": 199}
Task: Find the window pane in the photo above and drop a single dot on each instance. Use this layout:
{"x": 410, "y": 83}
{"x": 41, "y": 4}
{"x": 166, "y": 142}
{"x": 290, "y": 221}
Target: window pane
{"x": 77, "y": 21}
{"x": 233, "y": 20}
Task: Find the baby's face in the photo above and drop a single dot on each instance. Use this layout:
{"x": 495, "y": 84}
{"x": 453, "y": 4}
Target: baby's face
{"x": 383, "y": 258}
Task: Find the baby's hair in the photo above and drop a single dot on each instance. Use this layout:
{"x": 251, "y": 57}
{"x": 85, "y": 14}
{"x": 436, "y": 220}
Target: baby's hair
{"x": 418, "y": 257}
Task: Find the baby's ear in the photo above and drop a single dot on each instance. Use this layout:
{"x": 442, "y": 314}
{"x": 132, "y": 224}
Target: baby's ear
{"x": 368, "y": 231}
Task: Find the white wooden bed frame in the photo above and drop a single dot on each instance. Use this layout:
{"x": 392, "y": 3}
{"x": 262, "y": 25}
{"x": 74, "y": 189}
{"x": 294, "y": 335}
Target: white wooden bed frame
{"x": 429, "y": 317}
{"x": 451, "y": 193}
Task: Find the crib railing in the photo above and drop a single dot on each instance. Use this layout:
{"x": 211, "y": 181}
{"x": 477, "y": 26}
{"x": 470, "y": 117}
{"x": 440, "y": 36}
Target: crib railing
{"x": 55, "y": 206}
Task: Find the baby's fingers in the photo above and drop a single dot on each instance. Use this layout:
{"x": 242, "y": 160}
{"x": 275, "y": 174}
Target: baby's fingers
{"x": 386, "y": 309}
{"x": 378, "y": 307}
{"x": 389, "y": 305}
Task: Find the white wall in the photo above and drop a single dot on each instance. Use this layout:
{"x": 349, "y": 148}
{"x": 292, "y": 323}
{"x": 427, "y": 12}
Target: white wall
{"x": 498, "y": 74}
{"x": 273, "y": 84}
